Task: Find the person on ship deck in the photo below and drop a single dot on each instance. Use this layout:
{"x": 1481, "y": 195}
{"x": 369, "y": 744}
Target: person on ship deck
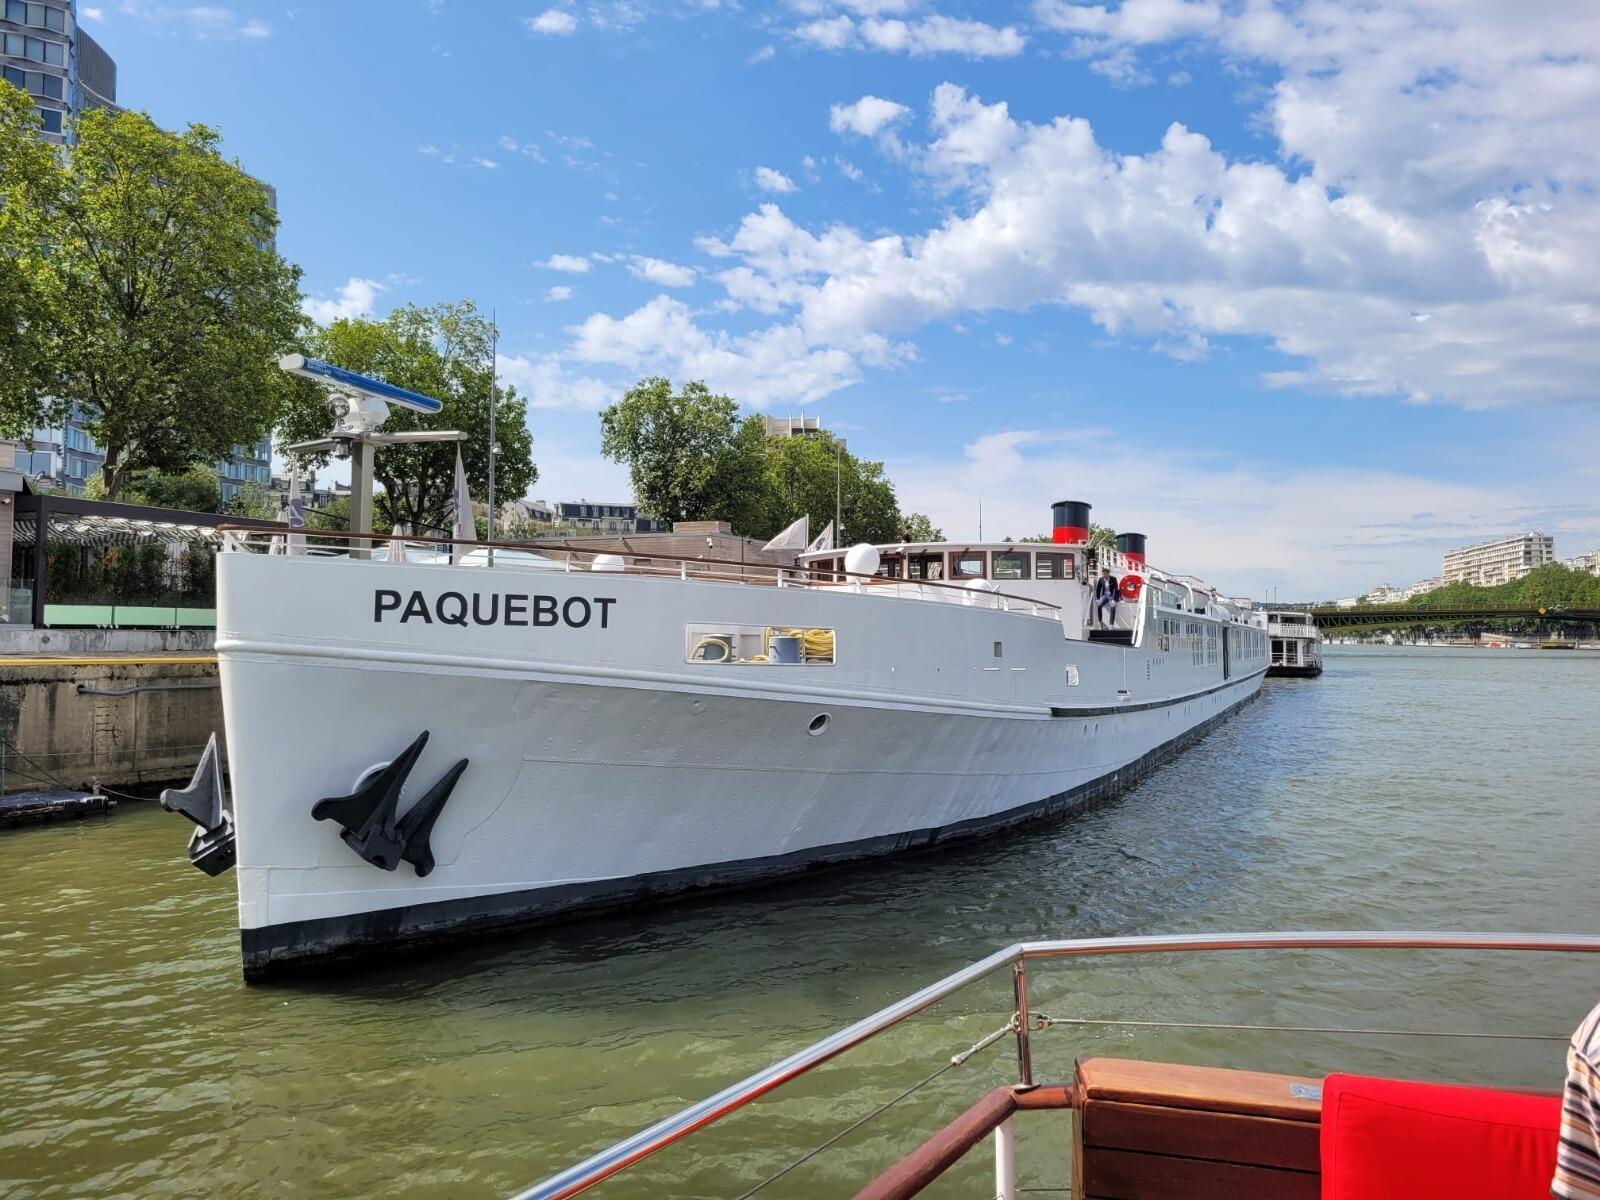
{"x": 1105, "y": 597}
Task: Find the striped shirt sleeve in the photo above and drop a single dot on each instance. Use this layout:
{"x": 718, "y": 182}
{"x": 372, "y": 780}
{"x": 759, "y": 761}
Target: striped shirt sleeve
{"x": 1578, "y": 1153}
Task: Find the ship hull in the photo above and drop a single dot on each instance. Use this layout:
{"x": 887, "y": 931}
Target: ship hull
{"x": 599, "y": 777}
{"x": 1304, "y": 671}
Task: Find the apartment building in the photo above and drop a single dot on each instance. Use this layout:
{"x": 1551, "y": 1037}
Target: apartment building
{"x": 1486, "y": 564}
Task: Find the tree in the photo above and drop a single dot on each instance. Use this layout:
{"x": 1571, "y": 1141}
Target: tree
{"x": 148, "y": 268}
{"x": 917, "y": 527}
{"x": 253, "y": 500}
{"x": 689, "y": 457}
{"x": 813, "y": 476}
{"x": 29, "y": 181}
{"x": 195, "y": 489}
{"x": 442, "y": 351}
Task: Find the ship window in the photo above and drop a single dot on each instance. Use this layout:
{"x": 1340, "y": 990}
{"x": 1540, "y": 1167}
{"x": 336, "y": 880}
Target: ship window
{"x": 927, "y": 566}
{"x": 889, "y": 567}
{"x": 708, "y": 643}
{"x": 1053, "y": 566}
{"x": 967, "y": 565}
{"x": 1011, "y": 564}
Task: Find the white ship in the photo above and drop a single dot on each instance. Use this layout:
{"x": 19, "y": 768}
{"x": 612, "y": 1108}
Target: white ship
{"x": 420, "y": 751}
{"x": 598, "y": 734}
{"x": 1296, "y": 644}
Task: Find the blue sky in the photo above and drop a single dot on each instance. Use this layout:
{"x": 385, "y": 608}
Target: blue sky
{"x": 1307, "y": 294}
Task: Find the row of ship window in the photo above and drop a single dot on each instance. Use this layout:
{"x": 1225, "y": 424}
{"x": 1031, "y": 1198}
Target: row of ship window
{"x": 1205, "y": 642}
{"x": 17, "y": 45}
{"x": 37, "y": 83}
{"x": 40, "y": 16}
{"x": 935, "y": 566}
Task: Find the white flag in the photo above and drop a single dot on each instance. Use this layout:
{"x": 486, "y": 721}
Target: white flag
{"x": 824, "y": 540}
{"x": 792, "y": 538}
{"x": 295, "y": 515}
{"x": 464, "y": 528}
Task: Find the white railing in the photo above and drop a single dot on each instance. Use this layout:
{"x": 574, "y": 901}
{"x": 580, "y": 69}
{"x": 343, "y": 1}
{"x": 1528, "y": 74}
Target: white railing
{"x": 1274, "y": 629}
{"x": 544, "y": 556}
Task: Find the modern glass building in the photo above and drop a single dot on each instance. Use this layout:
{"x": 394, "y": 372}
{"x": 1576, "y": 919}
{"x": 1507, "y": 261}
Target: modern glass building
{"x": 64, "y": 70}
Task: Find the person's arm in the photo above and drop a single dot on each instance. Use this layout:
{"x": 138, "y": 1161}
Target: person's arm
{"x": 1578, "y": 1152}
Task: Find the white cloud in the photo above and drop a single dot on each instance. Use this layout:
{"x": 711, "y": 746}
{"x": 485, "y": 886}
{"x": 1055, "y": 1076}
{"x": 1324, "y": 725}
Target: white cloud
{"x": 848, "y": 169}
{"x": 771, "y": 365}
{"x": 546, "y": 385}
{"x": 760, "y": 55}
{"x": 354, "y": 299}
{"x": 450, "y": 159}
{"x": 659, "y": 271}
{"x": 572, "y": 264}
{"x": 831, "y": 33}
{"x": 943, "y": 35}
{"x": 1180, "y": 245}
{"x": 924, "y": 36}
{"x": 92, "y": 14}
{"x": 769, "y": 180}
{"x": 514, "y": 145}
{"x": 1122, "y": 68}
{"x": 868, "y": 116}
{"x": 203, "y": 22}
{"x": 559, "y": 292}
{"x": 1137, "y": 21}
{"x": 553, "y": 21}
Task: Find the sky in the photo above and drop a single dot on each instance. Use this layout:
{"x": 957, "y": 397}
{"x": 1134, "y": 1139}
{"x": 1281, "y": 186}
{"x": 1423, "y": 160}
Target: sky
{"x": 1307, "y": 292}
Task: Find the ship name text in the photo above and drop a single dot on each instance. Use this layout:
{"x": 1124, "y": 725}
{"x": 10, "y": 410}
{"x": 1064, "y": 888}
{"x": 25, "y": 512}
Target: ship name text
{"x": 457, "y": 608}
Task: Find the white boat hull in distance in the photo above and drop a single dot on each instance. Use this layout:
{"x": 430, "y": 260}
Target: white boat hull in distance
{"x": 611, "y": 756}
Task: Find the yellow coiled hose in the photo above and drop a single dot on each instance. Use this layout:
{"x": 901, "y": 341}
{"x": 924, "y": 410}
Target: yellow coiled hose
{"x": 814, "y": 644}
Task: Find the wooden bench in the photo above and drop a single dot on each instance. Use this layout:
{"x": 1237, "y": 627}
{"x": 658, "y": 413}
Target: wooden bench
{"x": 1149, "y": 1130}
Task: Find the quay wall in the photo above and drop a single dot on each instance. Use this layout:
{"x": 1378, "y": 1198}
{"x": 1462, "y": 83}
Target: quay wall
{"x": 118, "y": 723}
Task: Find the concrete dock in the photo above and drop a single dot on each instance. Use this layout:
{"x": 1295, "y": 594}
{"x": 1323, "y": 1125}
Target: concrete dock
{"x": 73, "y": 718}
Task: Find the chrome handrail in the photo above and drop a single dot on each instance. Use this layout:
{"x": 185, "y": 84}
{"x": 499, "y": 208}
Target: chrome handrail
{"x": 665, "y": 1132}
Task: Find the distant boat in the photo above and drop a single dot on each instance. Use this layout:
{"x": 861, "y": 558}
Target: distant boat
{"x": 1557, "y": 645}
{"x": 1296, "y": 645}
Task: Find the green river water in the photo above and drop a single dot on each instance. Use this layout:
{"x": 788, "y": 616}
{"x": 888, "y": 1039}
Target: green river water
{"x": 1407, "y": 788}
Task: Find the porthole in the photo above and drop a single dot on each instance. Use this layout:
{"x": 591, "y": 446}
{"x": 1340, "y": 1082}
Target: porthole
{"x": 819, "y": 725}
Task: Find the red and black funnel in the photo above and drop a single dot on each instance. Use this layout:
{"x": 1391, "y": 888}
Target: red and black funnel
{"x": 1069, "y": 522}
{"x": 1131, "y": 545}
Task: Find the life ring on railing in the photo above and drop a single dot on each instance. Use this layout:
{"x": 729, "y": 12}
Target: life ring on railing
{"x": 1129, "y": 587}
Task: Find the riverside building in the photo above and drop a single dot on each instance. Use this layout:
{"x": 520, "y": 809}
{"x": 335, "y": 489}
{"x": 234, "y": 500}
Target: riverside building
{"x": 64, "y": 71}
{"x": 1486, "y": 564}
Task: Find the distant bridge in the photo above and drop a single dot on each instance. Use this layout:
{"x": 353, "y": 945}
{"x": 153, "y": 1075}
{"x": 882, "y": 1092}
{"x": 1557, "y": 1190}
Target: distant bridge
{"x": 1370, "y": 616}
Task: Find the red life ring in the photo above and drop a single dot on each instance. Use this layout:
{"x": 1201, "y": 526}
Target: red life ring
{"x": 1130, "y": 587}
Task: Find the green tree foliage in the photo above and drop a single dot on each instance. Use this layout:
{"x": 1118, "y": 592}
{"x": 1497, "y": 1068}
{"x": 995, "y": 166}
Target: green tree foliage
{"x": 196, "y": 489}
{"x": 689, "y": 456}
{"x": 1549, "y": 586}
{"x": 148, "y": 274}
{"x": 804, "y": 475}
{"x": 918, "y": 527}
{"x": 29, "y": 181}
{"x": 254, "y": 501}
{"x": 442, "y": 351}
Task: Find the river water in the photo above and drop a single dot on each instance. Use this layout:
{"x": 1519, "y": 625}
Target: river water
{"x": 1407, "y": 788}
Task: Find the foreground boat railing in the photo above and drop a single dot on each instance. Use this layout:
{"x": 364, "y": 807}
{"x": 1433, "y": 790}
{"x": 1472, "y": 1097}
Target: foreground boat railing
{"x": 723, "y": 570}
{"x": 626, "y": 1153}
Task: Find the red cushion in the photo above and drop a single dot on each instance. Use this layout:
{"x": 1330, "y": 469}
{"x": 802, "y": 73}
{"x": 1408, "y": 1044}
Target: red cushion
{"x": 1393, "y": 1137}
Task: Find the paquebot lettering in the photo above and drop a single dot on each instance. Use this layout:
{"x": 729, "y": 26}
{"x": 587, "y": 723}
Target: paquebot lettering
{"x": 457, "y": 608}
